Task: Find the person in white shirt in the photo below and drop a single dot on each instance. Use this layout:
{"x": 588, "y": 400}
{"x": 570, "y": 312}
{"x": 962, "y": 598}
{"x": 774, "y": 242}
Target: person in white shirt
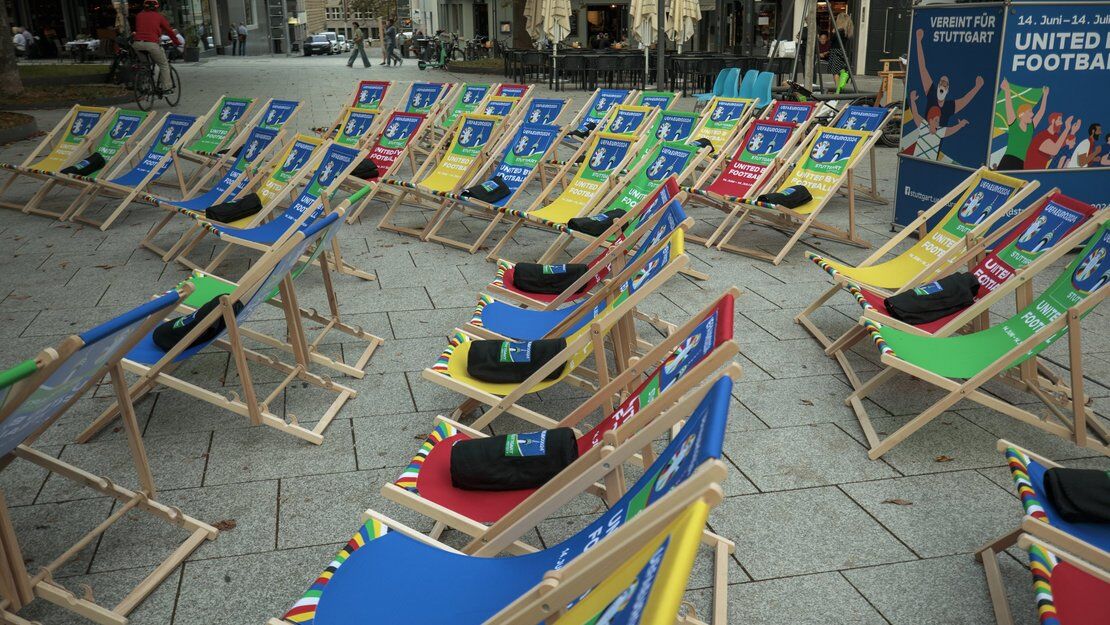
{"x": 1088, "y": 149}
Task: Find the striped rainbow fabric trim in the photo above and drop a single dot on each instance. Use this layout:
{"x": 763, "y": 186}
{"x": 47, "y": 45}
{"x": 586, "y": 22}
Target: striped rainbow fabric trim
{"x": 440, "y": 365}
{"x": 303, "y": 611}
{"x": 857, "y": 292}
{"x": 1041, "y": 563}
{"x": 1019, "y": 470}
{"x": 876, "y": 335}
{"x": 410, "y": 476}
{"x": 483, "y": 301}
{"x": 502, "y": 267}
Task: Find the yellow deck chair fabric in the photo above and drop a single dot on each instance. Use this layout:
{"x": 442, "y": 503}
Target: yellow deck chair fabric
{"x": 606, "y": 157}
{"x": 987, "y": 192}
{"x": 829, "y": 155}
{"x": 82, "y": 123}
{"x": 473, "y": 135}
{"x": 626, "y": 119}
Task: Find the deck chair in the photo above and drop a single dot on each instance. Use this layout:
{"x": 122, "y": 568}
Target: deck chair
{"x": 392, "y": 146}
{"x": 513, "y": 90}
{"x": 685, "y": 480}
{"x": 505, "y": 107}
{"x": 368, "y": 94}
{"x": 603, "y": 158}
{"x": 33, "y": 396}
{"x": 545, "y": 110}
{"x": 224, "y": 121}
{"x": 271, "y": 183}
{"x": 253, "y": 148}
{"x": 590, "y": 116}
{"x": 620, "y": 119}
{"x": 125, "y": 182}
{"x": 721, "y": 122}
{"x": 270, "y": 274}
{"x": 331, "y": 167}
{"x": 523, "y": 154}
{"x": 869, "y": 119}
{"x": 497, "y": 319}
{"x": 450, "y": 369}
{"x": 621, "y": 238}
{"x": 463, "y": 154}
{"x": 468, "y": 97}
{"x": 1048, "y": 537}
{"x": 125, "y": 129}
{"x": 358, "y": 126}
{"x": 674, "y": 125}
{"x": 742, "y": 175}
{"x": 212, "y": 149}
{"x": 663, "y": 100}
{"x": 1006, "y": 351}
{"x": 972, "y": 208}
{"x": 823, "y": 165}
{"x": 66, "y": 144}
{"x": 800, "y": 113}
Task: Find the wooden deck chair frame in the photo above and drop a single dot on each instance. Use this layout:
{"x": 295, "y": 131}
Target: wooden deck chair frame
{"x": 51, "y": 147}
{"x": 82, "y": 184}
{"x": 253, "y": 407}
{"x": 962, "y": 254}
{"x": 1034, "y": 529}
{"x": 591, "y": 341}
{"x": 608, "y": 256}
{"x": 471, "y": 207}
{"x": 125, "y": 194}
{"x": 18, "y": 587}
{"x": 797, "y": 224}
{"x": 196, "y": 232}
{"x": 413, "y": 194}
{"x": 700, "y": 195}
{"x": 1073, "y": 426}
{"x": 561, "y": 182}
{"x": 600, "y": 471}
{"x": 698, "y": 492}
{"x": 565, "y": 235}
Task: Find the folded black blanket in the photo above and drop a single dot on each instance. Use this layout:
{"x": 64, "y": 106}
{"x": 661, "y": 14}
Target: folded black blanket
{"x": 507, "y": 361}
{"x": 169, "y": 333}
{"x": 92, "y": 164}
{"x": 935, "y": 300}
{"x": 234, "y": 210}
{"x": 596, "y": 224}
{"x": 1079, "y": 495}
{"x": 513, "y": 461}
{"x": 552, "y": 279}
{"x": 489, "y": 191}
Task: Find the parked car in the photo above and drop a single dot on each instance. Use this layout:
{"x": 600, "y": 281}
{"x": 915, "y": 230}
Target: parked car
{"x": 334, "y": 39}
{"x": 317, "y": 44}
{"x": 344, "y": 45}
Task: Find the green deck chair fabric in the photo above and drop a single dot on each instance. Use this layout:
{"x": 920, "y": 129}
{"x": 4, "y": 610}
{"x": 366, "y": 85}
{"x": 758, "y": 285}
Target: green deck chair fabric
{"x": 218, "y": 131}
{"x": 124, "y": 126}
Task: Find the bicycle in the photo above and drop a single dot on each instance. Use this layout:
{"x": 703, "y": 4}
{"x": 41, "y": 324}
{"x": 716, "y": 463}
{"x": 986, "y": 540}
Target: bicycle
{"x": 145, "y": 83}
{"x": 829, "y": 109}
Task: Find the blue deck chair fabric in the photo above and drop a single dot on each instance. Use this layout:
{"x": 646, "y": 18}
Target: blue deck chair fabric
{"x": 236, "y": 178}
{"x": 360, "y": 584}
{"x": 747, "y": 85}
{"x": 277, "y": 113}
{"x": 146, "y": 352}
{"x": 530, "y": 140}
{"x": 675, "y": 125}
{"x": 78, "y": 372}
{"x": 1032, "y": 492}
{"x": 544, "y": 110}
{"x": 763, "y": 89}
{"x": 605, "y": 100}
{"x": 337, "y": 158}
{"x": 861, "y": 117}
{"x": 423, "y": 96}
{"x": 531, "y": 324}
{"x": 174, "y": 126}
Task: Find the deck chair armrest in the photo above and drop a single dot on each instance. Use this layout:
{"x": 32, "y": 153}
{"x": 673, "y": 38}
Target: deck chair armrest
{"x": 401, "y": 528}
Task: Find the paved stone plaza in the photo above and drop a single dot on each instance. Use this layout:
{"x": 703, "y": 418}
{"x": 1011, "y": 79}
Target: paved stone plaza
{"x": 819, "y": 536}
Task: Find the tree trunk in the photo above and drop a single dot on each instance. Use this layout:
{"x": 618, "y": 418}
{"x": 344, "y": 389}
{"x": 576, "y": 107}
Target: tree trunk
{"x": 10, "y": 84}
{"x": 521, "y": 40}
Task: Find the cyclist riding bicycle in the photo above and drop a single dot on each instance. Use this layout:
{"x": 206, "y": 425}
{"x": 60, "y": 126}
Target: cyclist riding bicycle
{"x": 150, "y": 25}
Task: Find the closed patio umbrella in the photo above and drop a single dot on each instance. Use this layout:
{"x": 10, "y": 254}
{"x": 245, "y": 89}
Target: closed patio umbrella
{"x": 644, "y": 17}
{"x": 556, "y": 25}
{"x": 682, "y": 20}
{"x": 533, "y": 19}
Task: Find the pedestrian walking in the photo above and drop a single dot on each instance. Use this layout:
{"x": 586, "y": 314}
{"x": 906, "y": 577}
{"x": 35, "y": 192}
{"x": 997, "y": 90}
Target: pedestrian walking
{"x": 242, "y": 39}
{"x": 391, "y": 45}
{"x": 357, "y": 39}
{"x": 233, "y": 39}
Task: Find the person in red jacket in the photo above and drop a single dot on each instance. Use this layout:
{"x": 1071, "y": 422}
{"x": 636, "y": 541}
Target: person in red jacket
{"x": 150, "y": 25}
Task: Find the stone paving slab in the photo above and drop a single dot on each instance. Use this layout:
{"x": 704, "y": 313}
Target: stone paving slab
{"x": 803, "y": 502}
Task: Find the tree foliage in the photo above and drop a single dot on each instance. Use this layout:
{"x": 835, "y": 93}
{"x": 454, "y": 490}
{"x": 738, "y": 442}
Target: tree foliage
{"x": 10, "y": 83}
{"x": 383, "y": 9}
